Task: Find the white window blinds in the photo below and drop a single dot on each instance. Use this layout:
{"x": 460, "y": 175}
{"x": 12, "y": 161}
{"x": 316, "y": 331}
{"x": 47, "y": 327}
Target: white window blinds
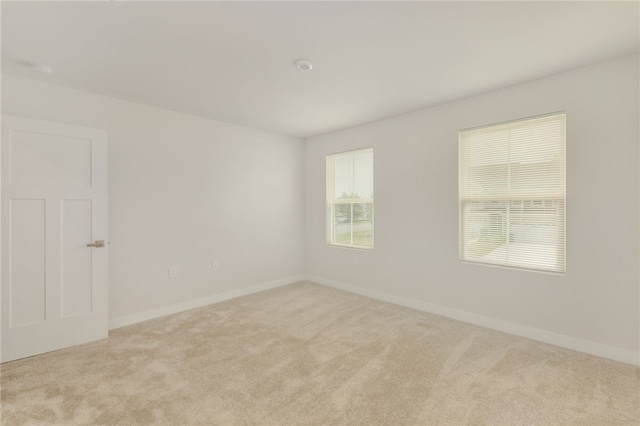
{"x": 350, "y": 198}
{"x": 512, "y": 193}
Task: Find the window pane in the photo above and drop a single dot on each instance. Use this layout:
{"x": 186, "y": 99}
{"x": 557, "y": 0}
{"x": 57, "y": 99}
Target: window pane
{"x": 363, "y": 175}
{"x": 536, "y": 230}
{"x": 488, "y": 180}
{"x": 526, "y": 233}
{"x": 342, "y": 224}
{"x": 343, "y": 175}
{"x": 486, "y": 229}
{"x": 363, "y": 225}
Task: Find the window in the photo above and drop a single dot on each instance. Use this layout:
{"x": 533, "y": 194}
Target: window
{"x": 512, "y": 193}
{"x": 350, "y": 199}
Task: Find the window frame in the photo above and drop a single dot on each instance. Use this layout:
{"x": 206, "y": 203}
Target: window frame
{"x": 513, "y": 201}
{"x": 332, "y": 201}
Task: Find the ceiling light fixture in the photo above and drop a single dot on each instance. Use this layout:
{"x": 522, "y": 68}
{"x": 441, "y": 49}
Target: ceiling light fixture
{"x": 304, "y": 65}
{"x": 43, "y": 69}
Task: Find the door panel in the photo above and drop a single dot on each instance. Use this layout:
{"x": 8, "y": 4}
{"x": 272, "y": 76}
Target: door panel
{"x": 77, "y": 274}
{"x": 54, "y": 203}
{"x": 27, "y": 266}
{"x": 49, "y": 159}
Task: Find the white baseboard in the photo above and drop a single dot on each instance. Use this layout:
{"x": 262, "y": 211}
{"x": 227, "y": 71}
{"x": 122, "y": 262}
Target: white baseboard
{"x": 191, "y": 304}
{"x": 564, "y": 341}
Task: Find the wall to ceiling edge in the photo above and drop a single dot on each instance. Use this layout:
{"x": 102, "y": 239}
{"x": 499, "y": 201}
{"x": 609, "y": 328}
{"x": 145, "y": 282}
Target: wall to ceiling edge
{"x": 183, "y": 191}
{"x": 593, "y": 308}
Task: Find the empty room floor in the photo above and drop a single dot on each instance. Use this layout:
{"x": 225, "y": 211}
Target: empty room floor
{"x": 310, "y": 354}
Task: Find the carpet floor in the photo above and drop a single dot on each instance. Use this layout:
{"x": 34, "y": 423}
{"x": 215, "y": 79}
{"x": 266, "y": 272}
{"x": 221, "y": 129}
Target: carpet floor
{"x": 305, "y": 354}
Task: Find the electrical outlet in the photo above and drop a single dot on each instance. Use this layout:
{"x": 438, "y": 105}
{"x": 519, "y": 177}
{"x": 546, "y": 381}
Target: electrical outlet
{"x": 214, "y": 265}
{"x": 173, "y": 272}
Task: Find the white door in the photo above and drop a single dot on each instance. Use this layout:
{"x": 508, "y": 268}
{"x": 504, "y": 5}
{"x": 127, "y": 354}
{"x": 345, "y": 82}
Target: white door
{"x": 54, "y": 203}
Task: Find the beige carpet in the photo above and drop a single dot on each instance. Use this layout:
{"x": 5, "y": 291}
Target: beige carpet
{"x": 305, "y": 354}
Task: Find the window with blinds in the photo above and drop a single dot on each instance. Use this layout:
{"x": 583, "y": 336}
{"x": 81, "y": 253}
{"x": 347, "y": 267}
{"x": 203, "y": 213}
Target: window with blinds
{"x": 512, "y": 193}
{"x": 350, "y": 199}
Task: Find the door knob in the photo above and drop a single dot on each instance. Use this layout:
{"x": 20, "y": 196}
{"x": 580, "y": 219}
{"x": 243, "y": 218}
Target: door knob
{"x": 97, "y": 244}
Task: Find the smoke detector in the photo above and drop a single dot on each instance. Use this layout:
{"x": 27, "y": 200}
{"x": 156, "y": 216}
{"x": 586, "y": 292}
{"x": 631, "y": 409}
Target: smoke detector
{"x": 43, "y": 69}
{"x": 304, "y": 65}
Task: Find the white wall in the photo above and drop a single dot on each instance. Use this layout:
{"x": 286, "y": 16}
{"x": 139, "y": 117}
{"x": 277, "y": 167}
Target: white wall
{"x": 183, "y": 191}
{"x": 594, "y": 307}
